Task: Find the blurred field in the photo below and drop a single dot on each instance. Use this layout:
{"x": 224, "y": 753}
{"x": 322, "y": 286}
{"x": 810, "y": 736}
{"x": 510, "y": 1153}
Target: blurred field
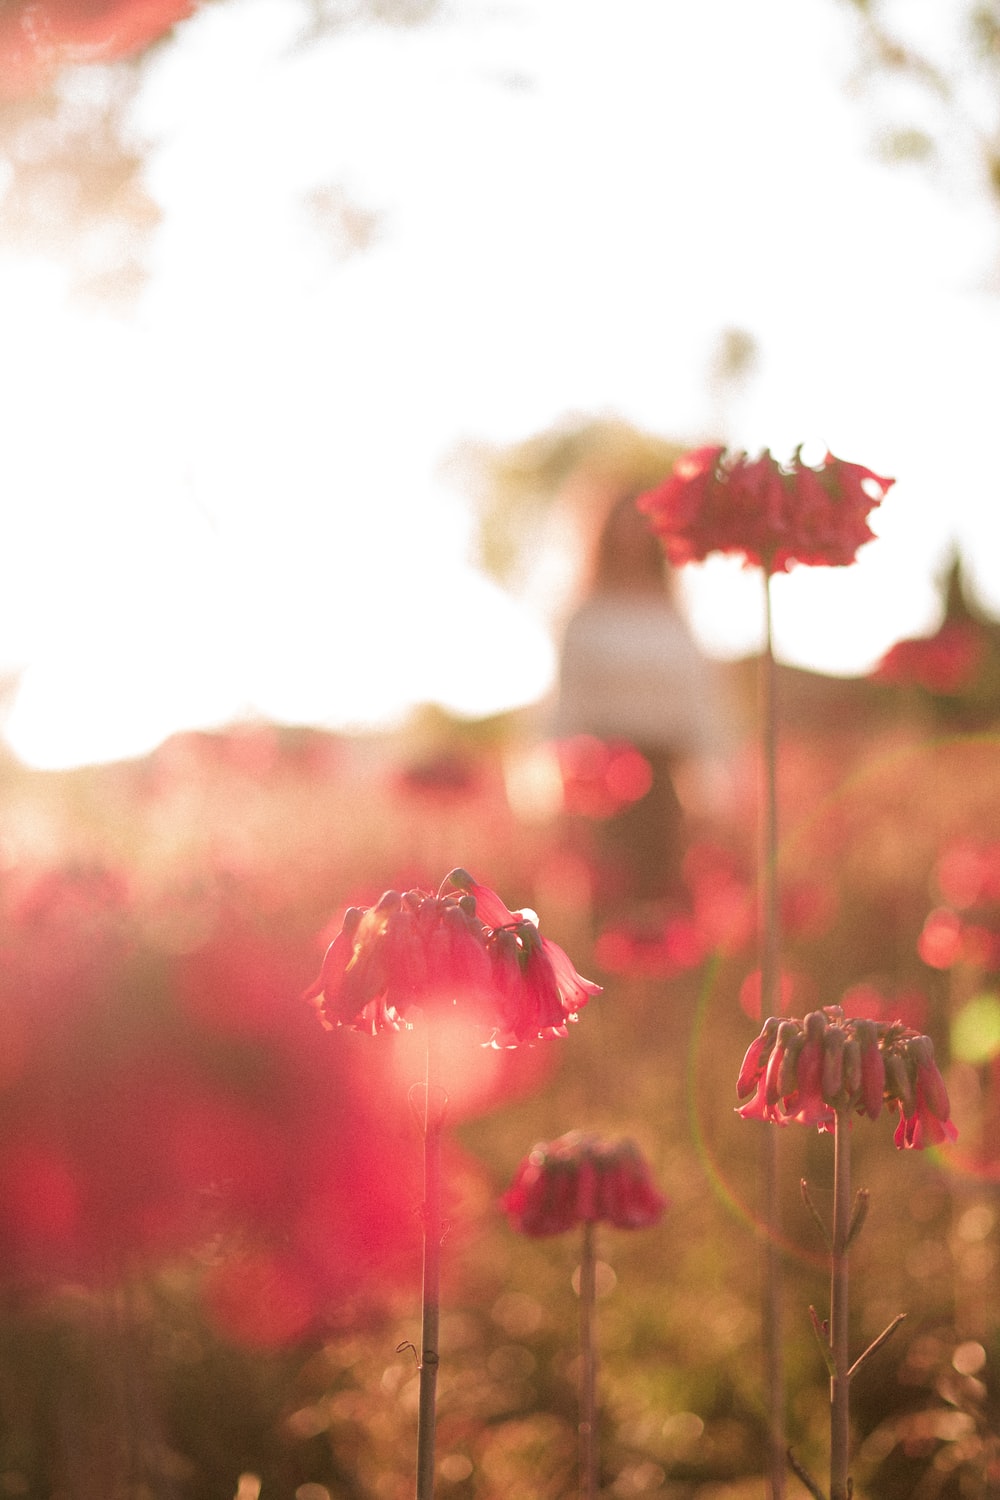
{"x": 209, "y": 1207}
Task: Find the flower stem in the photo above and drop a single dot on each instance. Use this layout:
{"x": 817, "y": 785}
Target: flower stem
{"x": 839, "y": 1348}
{"x": 431, "y": 1286}
{"x": 588, "y": 1368}
{"x": 773, "y": 1300}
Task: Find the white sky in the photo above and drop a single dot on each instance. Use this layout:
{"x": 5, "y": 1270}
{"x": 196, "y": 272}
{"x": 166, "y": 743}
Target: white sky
{"x": 229, "y": 502}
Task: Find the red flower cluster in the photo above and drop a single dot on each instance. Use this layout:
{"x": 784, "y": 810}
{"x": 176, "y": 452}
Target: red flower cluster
{"x": 802, "y": 1072}
{"x": 581, "y": 1179}
{"x": 774, "y": 514}
{"x": 460, "y": 953}
{"x": 945, "y": 664}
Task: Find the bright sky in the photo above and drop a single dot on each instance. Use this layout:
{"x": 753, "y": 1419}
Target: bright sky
{"x": 229, "y": 501}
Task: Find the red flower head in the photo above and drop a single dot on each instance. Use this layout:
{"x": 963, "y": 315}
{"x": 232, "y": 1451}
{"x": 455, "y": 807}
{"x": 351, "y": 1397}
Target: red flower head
{"x": 774, "y": 514}
{"x": 581, "y": 1179}
{"x": 461, "y": 953}
{"x": 801, "y": 1072}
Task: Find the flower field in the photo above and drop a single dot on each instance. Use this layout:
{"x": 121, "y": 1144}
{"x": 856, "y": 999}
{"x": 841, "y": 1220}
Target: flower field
{"x": 210, "y": 1205}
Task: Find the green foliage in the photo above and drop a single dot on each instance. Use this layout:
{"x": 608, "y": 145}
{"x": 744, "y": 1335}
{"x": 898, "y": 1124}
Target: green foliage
{"x": 513, "y": 487}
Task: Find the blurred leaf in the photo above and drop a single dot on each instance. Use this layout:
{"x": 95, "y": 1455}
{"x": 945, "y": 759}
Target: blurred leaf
{"x": 984, "y": 27}
{"x": 907, "y": 144}
{"x": 513, "y": 487}
{"x": 75, "y": 188}
{"x": 345, "y": 225}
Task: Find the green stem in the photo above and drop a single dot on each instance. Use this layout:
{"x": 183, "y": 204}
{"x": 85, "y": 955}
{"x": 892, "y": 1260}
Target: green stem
{"x": 840, "y": 1381}
{"x": 431, "y": 1284}
{"x": 588, "y": 1368}
{"x": 773, "y": 1298}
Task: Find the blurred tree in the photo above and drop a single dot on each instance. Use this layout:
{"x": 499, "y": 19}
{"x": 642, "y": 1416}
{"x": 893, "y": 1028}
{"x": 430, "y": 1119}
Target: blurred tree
{"x": 512, "y": 487}
{"x": 72, "y": 163}
{"x": 938, "y": 70}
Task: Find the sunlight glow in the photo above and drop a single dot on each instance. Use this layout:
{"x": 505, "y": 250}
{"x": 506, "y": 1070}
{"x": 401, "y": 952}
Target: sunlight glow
{"x": 227, "y": 502}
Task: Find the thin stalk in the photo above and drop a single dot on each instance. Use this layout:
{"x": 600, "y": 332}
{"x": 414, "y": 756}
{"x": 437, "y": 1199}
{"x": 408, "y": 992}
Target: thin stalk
{"x": 588, "y": 1368}
{"x": 839, "y": 1349}
{"x": 770, "y": 945}
{"x": 431, "y": 1282}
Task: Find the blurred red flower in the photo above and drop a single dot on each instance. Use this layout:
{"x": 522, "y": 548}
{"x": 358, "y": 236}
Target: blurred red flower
{"x": 582, "y": 1179}
{"x": 945, "y": 664}
{"x": 670, "y": 947}
{"x": 600, "y": 777}
{"x": 461, "y": 955}
{"x": 37, "y": 37}
{"x": 772, "y": 514}
{"x": 940, "y": 942}
{"x": 152, "y": 1103}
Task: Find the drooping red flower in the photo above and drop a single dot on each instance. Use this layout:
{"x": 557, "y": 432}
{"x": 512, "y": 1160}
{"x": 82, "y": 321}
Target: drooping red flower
{"x": 801, "y": 1072}
{"x": 461, "y": 953}
{"x": 772, "y": 514}
{"x": 924, "y": 1115}
{"x": 582, "y": 1179}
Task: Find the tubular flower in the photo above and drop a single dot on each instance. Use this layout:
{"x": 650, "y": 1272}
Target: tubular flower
{"x": 773, "y": 514}
{"x": 582, "y": 1179}
{"x": 802, "y": 1072}
{"x": 461, "y": 952}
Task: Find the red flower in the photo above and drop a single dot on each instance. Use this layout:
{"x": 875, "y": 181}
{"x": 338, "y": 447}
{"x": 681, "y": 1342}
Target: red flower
{"x": 600, "y": 777}
{"x": 801, "y": 1072}
{"x": 924, "y": 1114}
{"x": 581, "y": 1179}
{"x": 945, "y": 664}
{"x": 462, "y": 953}
{"x": 773, "y": 514}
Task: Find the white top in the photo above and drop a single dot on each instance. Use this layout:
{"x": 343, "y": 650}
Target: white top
{"x": 630, "y": 670}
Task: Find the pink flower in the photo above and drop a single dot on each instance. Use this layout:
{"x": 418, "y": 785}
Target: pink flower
{"x": 924, "y": 1115}
{"x": 802, "y": 1072}
{"x": 461, "y": 953}
{"x": 945, "y": 664}
{"x": 582, "y": 1179}
{"x": 773, "y": 514}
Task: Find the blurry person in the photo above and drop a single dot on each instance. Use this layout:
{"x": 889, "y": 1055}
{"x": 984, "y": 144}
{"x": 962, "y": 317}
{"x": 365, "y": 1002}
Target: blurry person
{"x": 630, "y": 674}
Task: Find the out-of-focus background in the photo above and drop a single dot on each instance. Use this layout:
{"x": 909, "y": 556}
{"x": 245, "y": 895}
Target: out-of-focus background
{"x": 339, "y": 339}
{"x": 270, "y": 280}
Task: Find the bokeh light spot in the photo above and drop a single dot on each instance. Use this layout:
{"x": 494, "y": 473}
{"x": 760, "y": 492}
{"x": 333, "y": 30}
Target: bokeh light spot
{"x": 518, "y": 1314}
{"x": 975, "y": 1031}
{"x": 605, "y": 1279}
{"x": 455, "y": 1467}
{"x": 940, "y": 942}
{"x": 969, "y": 1358}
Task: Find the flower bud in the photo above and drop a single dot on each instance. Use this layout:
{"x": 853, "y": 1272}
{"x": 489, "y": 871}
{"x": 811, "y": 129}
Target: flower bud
{"x": 755, "y": 1058}
{"x": 787, "y": 1073}
{"x": 898, "y": 1083}
{"x": 832, "y": 1068}
{"x": 852, "y": 1069}
{"x": 788, "y": 1036}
